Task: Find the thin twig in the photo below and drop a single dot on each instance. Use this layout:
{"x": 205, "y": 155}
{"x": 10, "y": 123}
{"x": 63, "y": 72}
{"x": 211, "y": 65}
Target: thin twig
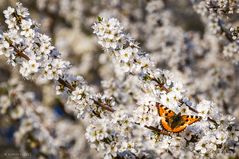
{"x": 192, "y": 109}
{"x": 160, "y": 85}
{"x": 19, "y": 52}
{"x": 213, "y": 121}
{"x": 66, "y": 84}
{"x": 104, "y": 106}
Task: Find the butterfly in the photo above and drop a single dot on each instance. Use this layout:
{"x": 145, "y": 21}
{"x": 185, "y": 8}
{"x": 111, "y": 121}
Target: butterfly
{"x": 173, "y": 122}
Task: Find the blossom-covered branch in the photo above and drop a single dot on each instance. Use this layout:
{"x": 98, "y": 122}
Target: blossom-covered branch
{"x": 116, "y": 127}
{"x": 37, "y": 58}
{"x": 160, "y": 86}
{"x": 218, "y": 16}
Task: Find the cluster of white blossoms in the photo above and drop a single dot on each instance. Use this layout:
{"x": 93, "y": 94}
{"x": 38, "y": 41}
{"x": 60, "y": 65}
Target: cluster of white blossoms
{"x": 234, "y": 32}
{"x": 115, "y": 135}
{"x": 112, "y": 37}
{"x": 110, "y": 34}
{"x": 22, "y": 44}
{"x": 224, "y": 6}
{"x": 217, "y": 15}
{"x": 231, "y": 51}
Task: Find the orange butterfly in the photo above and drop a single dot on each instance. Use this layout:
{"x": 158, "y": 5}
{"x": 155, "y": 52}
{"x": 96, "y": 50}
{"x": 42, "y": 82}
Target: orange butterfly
{"x": 173, "y": 122}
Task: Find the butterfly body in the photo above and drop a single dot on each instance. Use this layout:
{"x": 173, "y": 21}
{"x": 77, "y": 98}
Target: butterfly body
{"x": 176, "y": 120}
{"x": 173, "y": 122}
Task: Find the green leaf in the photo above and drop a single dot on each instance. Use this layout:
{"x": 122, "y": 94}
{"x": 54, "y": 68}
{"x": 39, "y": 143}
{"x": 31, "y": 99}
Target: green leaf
{"x": 99, "y": 19}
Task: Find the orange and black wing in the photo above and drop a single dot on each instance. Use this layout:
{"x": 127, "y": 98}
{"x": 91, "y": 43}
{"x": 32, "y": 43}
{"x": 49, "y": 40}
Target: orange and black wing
{"x": 186, "y": 120}
{"x": 166, "y": 116}
{"x": 190, "y": 119}
{"x": 179, "y": 128}
{"x": 165, "y": 124}
{"x": 164, "y": 111}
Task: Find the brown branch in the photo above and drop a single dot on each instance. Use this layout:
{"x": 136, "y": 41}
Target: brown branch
{"x": 71, "y": 88}
{"x": 66, "y": 84}
{"x": 19, "y": 52}
{"x": 160, "y": 85}
{"x": 225, "y": 30}
{"x": 104, "y": 106}
{"x": 213, "y": 121}
{"x": 192, "y": 109}
{"x": 209, "y": 119}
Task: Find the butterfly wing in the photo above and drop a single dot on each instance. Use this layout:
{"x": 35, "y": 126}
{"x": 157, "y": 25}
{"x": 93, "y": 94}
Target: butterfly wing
{"x": 190, "y": 119}
{"x": 165, "y": 124}
{"x": 186, "y": 120}
{"x": 179, "y": 128}
{"x": 166, "y": 116}
{"x": 164, "y": 111}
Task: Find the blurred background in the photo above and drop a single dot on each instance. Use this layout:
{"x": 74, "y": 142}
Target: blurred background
{"x": 176, "y": 36}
